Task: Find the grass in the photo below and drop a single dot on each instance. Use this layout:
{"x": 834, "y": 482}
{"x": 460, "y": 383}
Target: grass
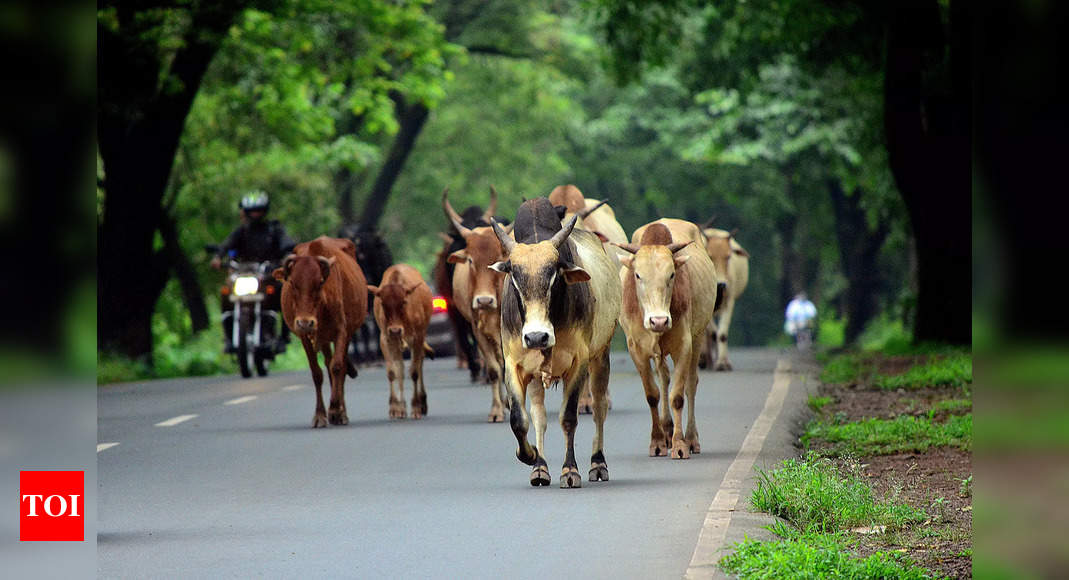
{"x": 815, "y": 496}
{"x": 943, "y": 368}
{"x": 904, "y": 433}
{"x": 814, "y": 557}
{"x": 818, "y": 403}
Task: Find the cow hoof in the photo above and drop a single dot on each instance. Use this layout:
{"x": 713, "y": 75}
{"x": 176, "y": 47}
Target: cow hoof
{"x": 397, "y": 410}
{"x": 570, "y": 479}
{"x": 585, "y": 408}
{"x": 680, "y": 450}
{"x": 599, "y": 472}
{"x": 695, "y": 447}
{"x": 658, "y": 449}
{"x": 495, "y": 417}
{"x": 703, "y": 362}
{"x": 724, "y": 366}
{"x": 319, "y": 421}
{"x": 338, "y": 418}
{"x": 540, "y": 476}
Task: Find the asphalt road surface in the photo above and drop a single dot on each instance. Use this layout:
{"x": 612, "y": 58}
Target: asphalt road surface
{"x": 225, "y": 478}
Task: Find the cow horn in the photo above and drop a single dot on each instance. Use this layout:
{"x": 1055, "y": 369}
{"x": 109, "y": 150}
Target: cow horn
{"x": 491, "y": 210}
{"x": 506, "y": 242}
{"x": 708, "y": 224}
{"x": 733, "y": 232}
{"x": 676, "y": 246}
{"x": 559, "y": 237}
{"x": 629, "y": 248}
{"x": 582, "y": 214}
{"x": 452, "y": 214}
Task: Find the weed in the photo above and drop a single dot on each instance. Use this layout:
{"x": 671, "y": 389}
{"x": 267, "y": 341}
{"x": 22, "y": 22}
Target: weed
{"x": 818, "y": 403}
{"x": 965, "y": 490}
{"x": 902, "y": 434}
{"x": 814, "y": 557}
{"x": 950, "y": 371}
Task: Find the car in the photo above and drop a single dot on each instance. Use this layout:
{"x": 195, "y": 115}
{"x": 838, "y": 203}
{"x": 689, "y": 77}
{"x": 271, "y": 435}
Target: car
{"x": 440, "y": 330}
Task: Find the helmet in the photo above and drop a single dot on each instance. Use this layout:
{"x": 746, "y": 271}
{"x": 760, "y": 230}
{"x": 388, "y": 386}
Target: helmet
{"x": 255, "y": 200}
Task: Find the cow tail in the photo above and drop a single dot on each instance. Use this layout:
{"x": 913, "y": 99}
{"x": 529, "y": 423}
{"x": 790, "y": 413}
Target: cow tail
{"x": 430, "y": 351}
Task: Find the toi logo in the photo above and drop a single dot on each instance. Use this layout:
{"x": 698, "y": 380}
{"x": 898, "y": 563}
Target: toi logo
{"x": 51, "y": 506}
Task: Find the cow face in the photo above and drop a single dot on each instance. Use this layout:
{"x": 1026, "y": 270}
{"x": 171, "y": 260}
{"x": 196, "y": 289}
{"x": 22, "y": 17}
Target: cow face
{"x": 483, "y": 250}
{"x": 537, "y": 276}
{"x": 394, "y": 301}
{"x": 721, "y": 252}
{"x": 653, "y": 268}
{"x": 304, "y": 276}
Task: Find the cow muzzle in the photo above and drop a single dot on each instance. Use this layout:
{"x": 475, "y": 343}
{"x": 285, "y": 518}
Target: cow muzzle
{"x": 395, "y": 331}
{"x": 483, "y": 303}
{"x": 538, "y": 339}
{"x": 659, "y": 323}
{"x": 305, "y": 325}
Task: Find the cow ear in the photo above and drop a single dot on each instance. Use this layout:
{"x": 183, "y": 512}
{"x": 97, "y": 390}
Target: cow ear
{"x": 503, "y": 267}
{"x": 574, "y": 274}
{"x": 412, "y": 287}
{"x": 741, "y": 252}
{"x": 457, "y": 257}
{"x": 373, "y": 289}
{"x": 680, "y": 260}
{"x": 325, "y": 264}
{"x": 561, "y": 211}
{"x": 628, "y": 261}
{"x": 279, "y": 274}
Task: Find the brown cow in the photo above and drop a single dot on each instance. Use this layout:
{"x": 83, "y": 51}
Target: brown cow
{"x": 733, "y": 266}
{"x": 477, "y": 296}
{"x": 324, "y": 301}
{"x": 669, "y": 293}
{"x": 403, "y": 312}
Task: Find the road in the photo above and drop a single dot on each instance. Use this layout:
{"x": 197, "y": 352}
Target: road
{"x": 223, "y": 477}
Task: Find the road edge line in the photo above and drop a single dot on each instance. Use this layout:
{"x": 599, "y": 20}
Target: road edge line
{"x": 703, "y": 562}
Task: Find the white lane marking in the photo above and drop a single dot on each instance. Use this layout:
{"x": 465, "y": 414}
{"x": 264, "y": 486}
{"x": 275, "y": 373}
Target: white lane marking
{"x": 293, "y": 388}
{"x": 241, "y": 400}
{"x": 175, "y": 420}
{"x": 103, "y": 446}
{"x": 703, "y": 564}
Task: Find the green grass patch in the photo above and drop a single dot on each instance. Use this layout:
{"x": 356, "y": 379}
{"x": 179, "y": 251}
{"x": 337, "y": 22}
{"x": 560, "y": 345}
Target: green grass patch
{"x": 843, "y": 369}
{"x": 902, "y": 434}
{"x": 816, "y": 496}
{"x": 818, "y": 403}
{"x": 950, "y": 371}
{"x": 814, "y": 557}
{"x": 950, "y": 406}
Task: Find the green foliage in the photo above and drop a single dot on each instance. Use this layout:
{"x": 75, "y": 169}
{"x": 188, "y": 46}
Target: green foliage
{"x": 814, "y": 557}
{"x": 904, "y": 433}
{"x": 950, "y": 371}
{"x": 818, "y": 403}
{"x": 816, "y": 496}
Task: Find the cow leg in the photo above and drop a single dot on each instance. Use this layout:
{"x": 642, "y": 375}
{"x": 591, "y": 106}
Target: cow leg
{"x": 540, "y": 473}
{"x": 599, "y": 387}
{"x": 658, "y": 441}
{"x": 667, "y": 425}
{"x": 722, "y": 362}
{"x": 419, "y": 393}
{"x": 708, "y": 354}
{"x": 518, "y": 419}
{"x": 395, "y": 374}
{"x": 336, "y": 411}
{"x": 680, "y": 381}
{"x": 691, "y": 435}
{"x": 320, "y": 417}
{"x": 489, "y": 349}
{"x": 569, "y": 420}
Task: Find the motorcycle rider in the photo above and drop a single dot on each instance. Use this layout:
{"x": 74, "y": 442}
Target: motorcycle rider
{"x": 800, "y": 315}
{"x": 257, "y": 239}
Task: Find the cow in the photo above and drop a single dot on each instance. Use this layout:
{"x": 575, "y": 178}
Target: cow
{"x": 669, "y": 294}
{"x": 403, "y": 311}
{"x": 324, "y": 301}
{"x": 467, "y": 345}
{"x": 373, "y": 256}
{"x": 559, "y": 307}
{"x": 477, "y": 296}
{"x": 598, "y": 218}
{"x": 733, "y": 265}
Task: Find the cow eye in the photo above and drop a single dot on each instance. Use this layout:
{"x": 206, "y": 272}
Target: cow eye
{"x": 637, "y": 277}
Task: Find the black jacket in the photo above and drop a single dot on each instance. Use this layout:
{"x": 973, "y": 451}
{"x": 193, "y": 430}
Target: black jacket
{"x": 258, "y": 242}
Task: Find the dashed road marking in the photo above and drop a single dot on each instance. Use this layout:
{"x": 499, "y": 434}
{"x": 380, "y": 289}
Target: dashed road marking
{"x": 103, "y": 446}
{"x": 703, "y": 564}
{"x": 241, "y": 400}
{"x": 293, "y": 388}
{"x": 176, "y": 420}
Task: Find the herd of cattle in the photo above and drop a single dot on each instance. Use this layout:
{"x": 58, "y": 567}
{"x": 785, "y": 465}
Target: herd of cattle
{"x": 542, "y": 297}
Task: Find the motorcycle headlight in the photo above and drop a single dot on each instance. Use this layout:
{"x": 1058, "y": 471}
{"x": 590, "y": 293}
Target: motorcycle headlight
{"x": 245, "y": 285}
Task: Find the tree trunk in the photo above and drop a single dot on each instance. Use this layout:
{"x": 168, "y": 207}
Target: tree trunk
{"x": 928, "y": 139}
{"x": 192, "y": 295}
{"x": 412, "y": 119}
{"x": 859, "y": 249}
{"x": 139, "y": 126}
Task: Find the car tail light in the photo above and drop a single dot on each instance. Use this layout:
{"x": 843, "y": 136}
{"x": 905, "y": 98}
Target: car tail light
{"x": 439, "y": 303}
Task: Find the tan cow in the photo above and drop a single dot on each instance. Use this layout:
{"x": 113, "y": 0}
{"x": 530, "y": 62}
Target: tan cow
{"x": 559, "y": 307}
{"x": 403, "y": 312}
{"x": 669, "y": 293}
{"x": 324, "y": 301}
{"x": 733, "y": 265}
{"x": 598, "y": 218}
{"x": 477, "y": 296}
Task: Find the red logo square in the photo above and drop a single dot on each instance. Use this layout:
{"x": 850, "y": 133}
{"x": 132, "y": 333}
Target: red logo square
{"x": 51, "y": 506}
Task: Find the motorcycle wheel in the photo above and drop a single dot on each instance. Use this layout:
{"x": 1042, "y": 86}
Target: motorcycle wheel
{"x": 261, "y": 365}
{"x": 245, "y": 356}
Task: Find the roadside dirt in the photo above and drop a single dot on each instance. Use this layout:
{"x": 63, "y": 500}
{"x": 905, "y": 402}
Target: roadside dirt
{"x": 938, "y": 481}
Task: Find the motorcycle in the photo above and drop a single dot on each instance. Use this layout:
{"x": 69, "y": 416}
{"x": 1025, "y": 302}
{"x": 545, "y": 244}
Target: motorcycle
{"x": 254, "y": 330}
